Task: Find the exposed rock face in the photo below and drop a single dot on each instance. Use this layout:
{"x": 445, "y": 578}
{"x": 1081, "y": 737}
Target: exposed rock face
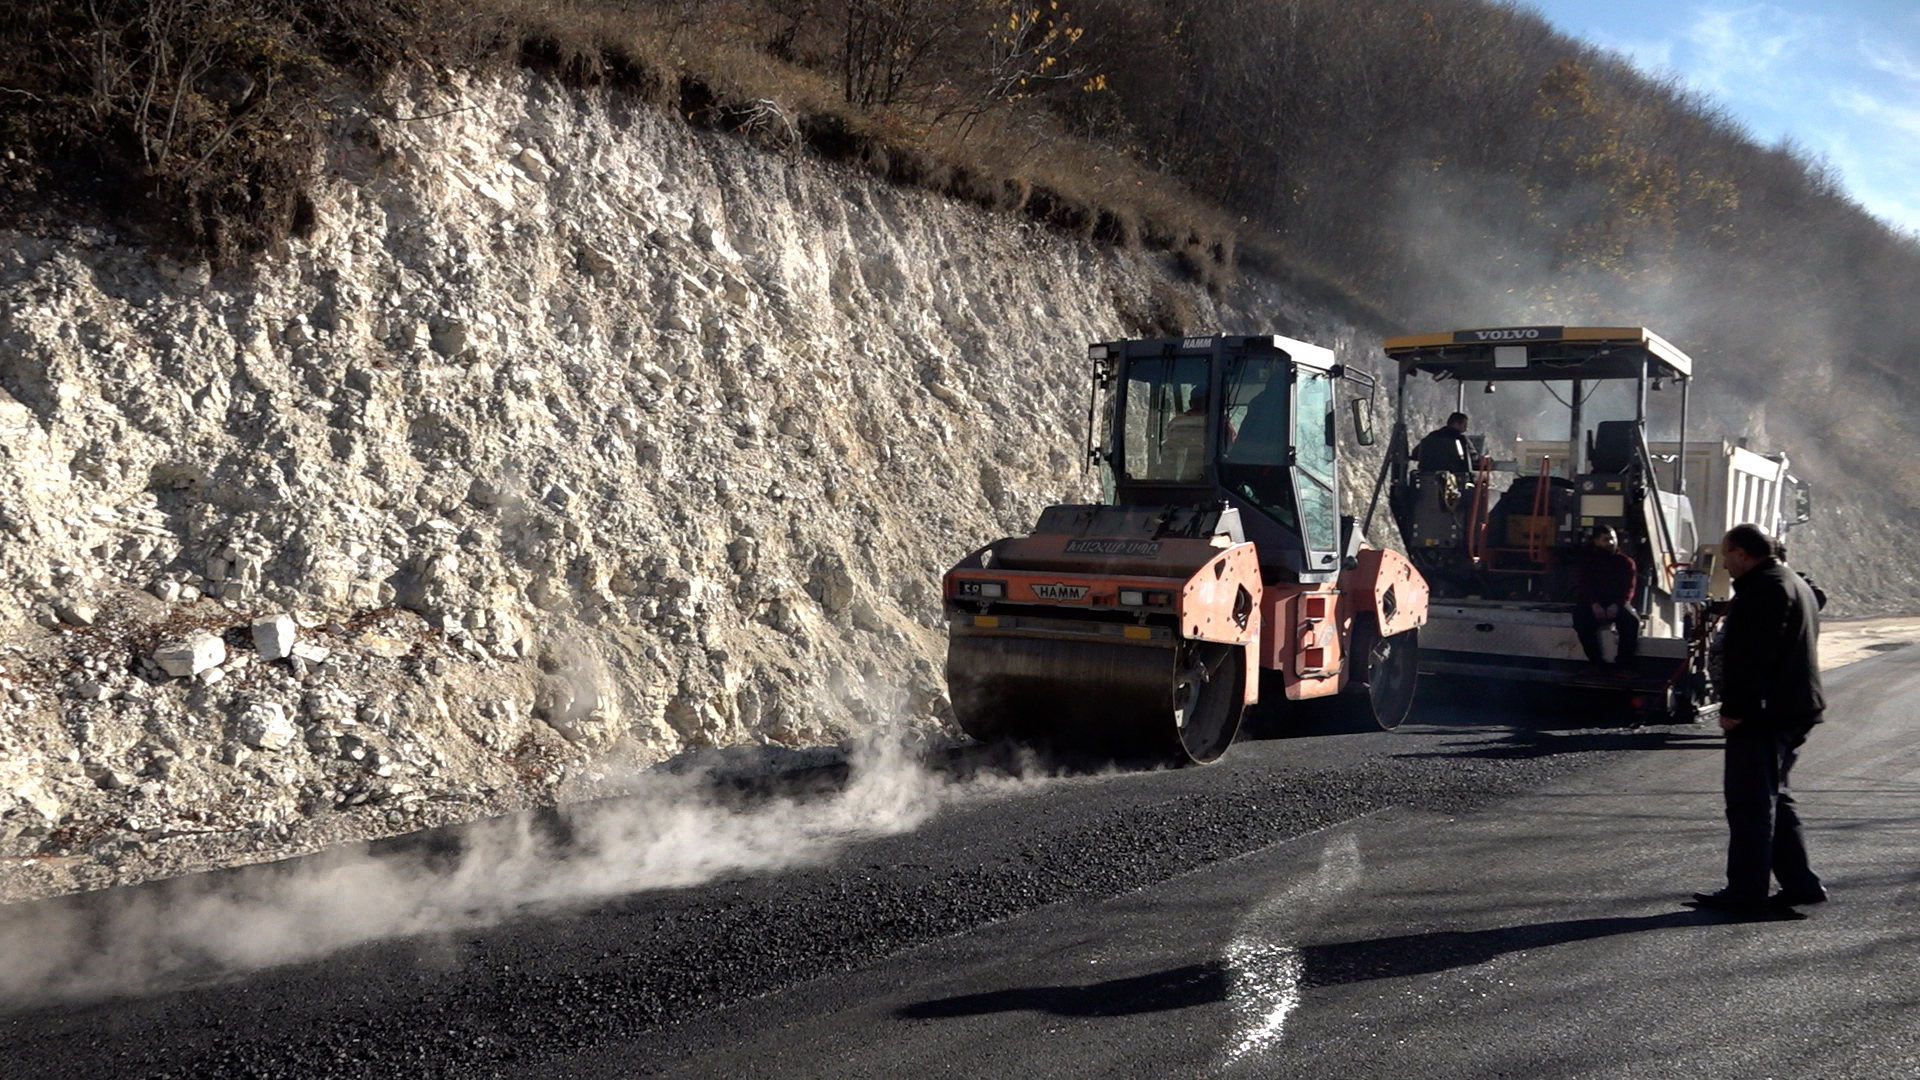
{"x": 570, "y": 438}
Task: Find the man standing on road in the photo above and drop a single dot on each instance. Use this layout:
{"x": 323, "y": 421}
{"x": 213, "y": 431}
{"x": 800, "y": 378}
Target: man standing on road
{"x": 1770, "y": 698}
{"x": 1604, "y": 596}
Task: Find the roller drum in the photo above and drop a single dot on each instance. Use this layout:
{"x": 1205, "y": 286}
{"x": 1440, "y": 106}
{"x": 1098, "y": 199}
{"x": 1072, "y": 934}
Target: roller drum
{"x": 1125, "y": 700}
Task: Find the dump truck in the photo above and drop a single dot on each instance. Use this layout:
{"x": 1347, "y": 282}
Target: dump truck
{"x": 1501, "y": 545}
{"x": 1216, "y": 568}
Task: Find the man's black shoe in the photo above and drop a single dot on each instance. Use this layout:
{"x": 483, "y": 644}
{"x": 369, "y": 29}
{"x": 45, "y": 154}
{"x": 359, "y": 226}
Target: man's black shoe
{"x": 1816, "y": 895}
{"x": 1725, "y": 900}
{"x": 1745, "y": 907}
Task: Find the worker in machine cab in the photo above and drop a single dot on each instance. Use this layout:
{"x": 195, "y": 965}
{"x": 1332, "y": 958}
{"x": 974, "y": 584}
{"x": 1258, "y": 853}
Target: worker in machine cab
{"x": 1445, "y": 449}
{"x": 1603, "y": 595}
{"x": 1447, "y": 457}
{"x": 1183, "y": 446}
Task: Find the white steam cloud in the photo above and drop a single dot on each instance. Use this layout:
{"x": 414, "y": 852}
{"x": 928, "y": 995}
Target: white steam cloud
{"x": 671, "y": 833}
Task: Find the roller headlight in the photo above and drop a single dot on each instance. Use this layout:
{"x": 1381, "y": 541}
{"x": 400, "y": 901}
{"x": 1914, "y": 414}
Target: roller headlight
{"x": 1132, "y": 598}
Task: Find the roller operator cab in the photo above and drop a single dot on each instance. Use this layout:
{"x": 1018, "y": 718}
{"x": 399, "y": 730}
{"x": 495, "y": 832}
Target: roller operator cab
{"x": 1144, "y": 624}
{"x": 1502, "y": 543}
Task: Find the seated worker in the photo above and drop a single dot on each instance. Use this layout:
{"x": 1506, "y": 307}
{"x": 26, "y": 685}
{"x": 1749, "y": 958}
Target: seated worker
{"x": 1604, "y": 594}
{"x": 1183, "y": 446}
{"x": 1446, "y": 449}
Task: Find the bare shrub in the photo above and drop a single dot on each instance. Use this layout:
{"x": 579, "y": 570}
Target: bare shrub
{"x": 196, "y": 120}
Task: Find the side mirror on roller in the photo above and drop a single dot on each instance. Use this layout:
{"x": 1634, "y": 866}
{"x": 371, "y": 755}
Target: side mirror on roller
{"x": 1363, "y": 421}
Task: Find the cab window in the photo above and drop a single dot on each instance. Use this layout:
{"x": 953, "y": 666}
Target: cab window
{"x": 1165, "y": 428}
{"x": 1314, "y": 454}
{"x": 1256, "y": 442}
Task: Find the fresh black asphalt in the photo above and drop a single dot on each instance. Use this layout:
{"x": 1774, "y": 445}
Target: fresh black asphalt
{"x": 1319, "y": 903}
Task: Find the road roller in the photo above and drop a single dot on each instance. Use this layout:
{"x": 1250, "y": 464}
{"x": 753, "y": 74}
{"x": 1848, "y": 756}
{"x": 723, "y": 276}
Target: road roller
{"x": 1216, "y": 568}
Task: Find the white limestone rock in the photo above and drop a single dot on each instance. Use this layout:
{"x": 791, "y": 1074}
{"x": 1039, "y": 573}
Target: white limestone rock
{"x": 273, "y": 636}
{"x": 535, "y": 165}
{"x": 310, "y": 652}
{"x": 264, "y": 726}
{"x": 76, "y": 613}
{"x": 189, "y": 657}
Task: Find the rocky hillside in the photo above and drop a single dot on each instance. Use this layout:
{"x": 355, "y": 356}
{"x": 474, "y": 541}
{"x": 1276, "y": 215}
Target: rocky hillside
{"x": 568, "y": 441}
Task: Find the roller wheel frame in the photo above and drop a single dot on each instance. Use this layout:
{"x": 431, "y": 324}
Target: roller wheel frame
{"x": 1209, "y": 693}
{"x": 1393, "y": 677}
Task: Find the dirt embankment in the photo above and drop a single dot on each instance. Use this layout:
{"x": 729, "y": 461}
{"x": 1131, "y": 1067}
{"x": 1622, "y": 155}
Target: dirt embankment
{"x": 570, "y": 441}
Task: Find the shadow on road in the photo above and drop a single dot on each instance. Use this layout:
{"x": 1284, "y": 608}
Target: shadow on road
{"x": 1324, "y": 965}
{"x": 1521, "y": 744}
{"x": 1444, "y": 950}
{"x": 1536, "y": 720}
{"x": 1277, "y": 718}
{"x": 1524, "y": 720}
{"x": 1452, "y": 701}
{"x": 1161, "y": 991}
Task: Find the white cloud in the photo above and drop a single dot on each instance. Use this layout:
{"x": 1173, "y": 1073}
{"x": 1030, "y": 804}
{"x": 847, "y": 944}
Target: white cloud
{"x": 1839, "y": 84}
{"x": 1889, "y": 59}
{"x": 1862, "y": 104}
{"x": 1874, "y": 141}
{"x": 1750, "y": 52}
{"x": 1840, "y": 79}
{"x": 1901, "y": 210}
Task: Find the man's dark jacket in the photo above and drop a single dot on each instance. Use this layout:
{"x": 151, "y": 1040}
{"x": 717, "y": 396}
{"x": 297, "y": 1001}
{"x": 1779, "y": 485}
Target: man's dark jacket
{"x": 1607, "y": 578}
{"x": 1771, "y": 669}
{"x": 1443, "y": 450}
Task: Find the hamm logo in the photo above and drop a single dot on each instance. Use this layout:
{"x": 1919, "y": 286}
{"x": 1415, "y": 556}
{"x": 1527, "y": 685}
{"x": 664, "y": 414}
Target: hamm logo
{"x": 1060, "y": 592}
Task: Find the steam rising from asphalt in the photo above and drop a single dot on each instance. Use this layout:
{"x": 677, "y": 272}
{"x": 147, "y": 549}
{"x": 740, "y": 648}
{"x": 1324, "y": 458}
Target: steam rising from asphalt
{"x": 671, "y": 833}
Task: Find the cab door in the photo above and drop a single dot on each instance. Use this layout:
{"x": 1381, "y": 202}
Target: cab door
{"x": 1316, "y": 474}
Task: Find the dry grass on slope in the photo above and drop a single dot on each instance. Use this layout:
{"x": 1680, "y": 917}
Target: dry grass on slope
{"x": 196, "y": 123}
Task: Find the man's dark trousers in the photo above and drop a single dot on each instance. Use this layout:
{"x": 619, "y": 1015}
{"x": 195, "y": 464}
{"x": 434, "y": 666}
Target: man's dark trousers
{"x": 1764, "y": 829}
{"x": 1627, "y": 624}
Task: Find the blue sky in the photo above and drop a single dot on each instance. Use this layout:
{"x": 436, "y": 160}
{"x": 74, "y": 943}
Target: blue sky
{"x": 1840, "y": 78}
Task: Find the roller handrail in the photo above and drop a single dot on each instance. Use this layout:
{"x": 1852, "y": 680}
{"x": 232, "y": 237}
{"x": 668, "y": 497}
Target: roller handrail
{"x": 1652, "y": 481}
{"x": 1480, "y": 509}
{"x": 1397, "y": 453}
{"x": 1536, "y": 545}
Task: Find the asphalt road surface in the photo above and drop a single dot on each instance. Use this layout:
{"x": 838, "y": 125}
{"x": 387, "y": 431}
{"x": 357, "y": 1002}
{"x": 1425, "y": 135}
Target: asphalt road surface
{"x": 1476, "y": 895}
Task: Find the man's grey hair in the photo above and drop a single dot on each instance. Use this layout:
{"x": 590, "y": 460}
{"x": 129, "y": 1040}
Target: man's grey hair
{"x": 1751, "y": 539}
